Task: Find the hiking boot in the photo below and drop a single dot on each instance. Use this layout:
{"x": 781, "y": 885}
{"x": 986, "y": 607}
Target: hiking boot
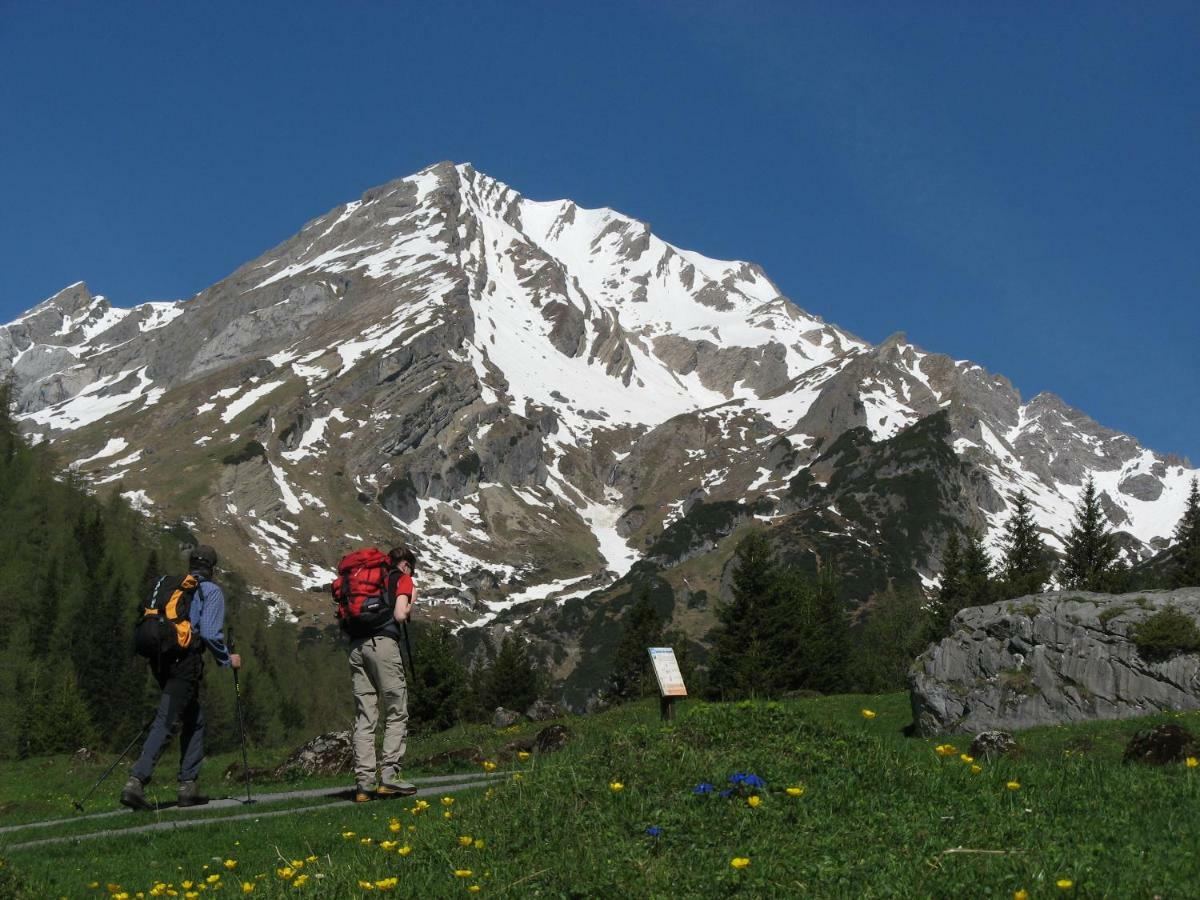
{"x": 133, "y": 795}
{"x": 189, "y": 794}
{"x": 363, "y": 795}
{"x": 391, "y": 785}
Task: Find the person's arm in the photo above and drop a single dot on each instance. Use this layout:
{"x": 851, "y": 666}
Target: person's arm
{"x": 212, "y": 625}
{"x": 405, "y": 594}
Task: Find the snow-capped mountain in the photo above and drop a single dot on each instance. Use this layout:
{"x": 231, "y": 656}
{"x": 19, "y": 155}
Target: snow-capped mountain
{"x": 535, "y": 395}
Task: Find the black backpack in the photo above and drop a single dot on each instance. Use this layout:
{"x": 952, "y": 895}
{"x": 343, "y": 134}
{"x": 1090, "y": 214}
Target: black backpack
{"x": 164, "y": 626}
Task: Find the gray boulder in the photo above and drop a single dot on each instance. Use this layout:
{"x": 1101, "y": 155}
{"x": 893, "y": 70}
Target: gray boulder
{"x": 542, "y": 711}
{"x": 505, "y": 718}
{"x": 328, "y": 754}
{"x": 1051, "y": 659}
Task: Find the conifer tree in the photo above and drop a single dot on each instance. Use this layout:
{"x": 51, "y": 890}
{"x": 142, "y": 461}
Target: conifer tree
{"x": 741, "y": 644}
{"x": 949, "y": 599}
{"x": 978, "y": 587}
{"x": 1025, "y": 566}
{"x": 512, "y": 680}
{"x": 631, "y": 673}
{"x": 436, "y": 698}
{"x": 1187, "y": 543}
{"x": 1091, "y": 552}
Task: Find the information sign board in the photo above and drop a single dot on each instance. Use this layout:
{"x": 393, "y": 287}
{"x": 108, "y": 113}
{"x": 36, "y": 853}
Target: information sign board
{"x": 666, "y": 670}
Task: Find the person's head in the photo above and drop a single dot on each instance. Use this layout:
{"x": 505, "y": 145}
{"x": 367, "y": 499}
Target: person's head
{"x": 203, "y": 559}
{"x": 402, "y": 554}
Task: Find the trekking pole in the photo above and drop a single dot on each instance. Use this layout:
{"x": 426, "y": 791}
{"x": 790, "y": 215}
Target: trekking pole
{"x": 78, "y": 804}
{"x": 412, "y": 670}
{"x": 237, "y": 692}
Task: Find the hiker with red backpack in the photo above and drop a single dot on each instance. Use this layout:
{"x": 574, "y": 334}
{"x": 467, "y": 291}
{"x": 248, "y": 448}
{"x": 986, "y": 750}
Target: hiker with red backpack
{"x": 181, "y": 617}
{"x": 374, "y": 594}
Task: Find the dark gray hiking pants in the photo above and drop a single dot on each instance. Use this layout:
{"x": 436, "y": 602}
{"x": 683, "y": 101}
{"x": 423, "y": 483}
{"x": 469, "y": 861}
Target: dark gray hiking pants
{"x": 179, "y": 706}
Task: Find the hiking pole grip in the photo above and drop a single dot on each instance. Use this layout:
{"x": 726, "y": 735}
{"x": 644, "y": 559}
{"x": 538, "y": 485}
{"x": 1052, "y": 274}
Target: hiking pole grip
{"x": 237, "y": 692}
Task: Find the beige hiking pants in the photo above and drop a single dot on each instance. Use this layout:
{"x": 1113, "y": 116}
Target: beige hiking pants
{"x": 377, "y": 673}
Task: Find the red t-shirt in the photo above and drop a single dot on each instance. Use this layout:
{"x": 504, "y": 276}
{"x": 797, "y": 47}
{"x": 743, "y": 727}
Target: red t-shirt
{"x": 403, "y": 586}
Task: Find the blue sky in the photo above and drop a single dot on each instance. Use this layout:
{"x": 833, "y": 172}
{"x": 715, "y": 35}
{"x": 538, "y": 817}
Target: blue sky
{"x": 1017, "y": 184}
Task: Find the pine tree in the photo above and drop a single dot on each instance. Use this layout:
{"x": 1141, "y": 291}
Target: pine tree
{"x": 512, "y": 680}
{"x": 1091, "y": 551}
{"x": 1187, "y": 543}
{"x": 741, "y": 643}
{"x": 436, "y": 696}
{"x": 631, "y": 673}
{"x": 1025, "y": 567}
{"x": 978, "y": 587}
{"x": 950, "y": 593}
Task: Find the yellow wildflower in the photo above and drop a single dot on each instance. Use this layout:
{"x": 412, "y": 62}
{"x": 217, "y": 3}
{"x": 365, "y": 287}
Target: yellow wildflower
{"x": 247, "y": 887}
{"x": 213, "y": 879}
{"x": 1022, "y": 894}
{"x": 1013, "y": 785}
{"x": 523, "y": 755}
{"x": 447, "y": 801}
{"x": 386, "y": 884}
{"x": 1191, "y": 762}
{"x": 186, "y": 885}
{"x": 517, "y": 776}
{"x": 366, "y": 885}
{"x": 447, "y": 815}
{"x": 976, "y": 769}
{"x": 753, "y": 801}
{"x": 285, "y": 873}
{"x": 189, "y": 895}
{"x": 230, "y": 864}
{"x": 1065, "y": 884}
{"x": 300, "y": 882}
{"x": 298, "y": 863}
{"x": 739, "y": 862}
{"x": 394, "y": 826}
{"x": 462, "y": 873}
{"x": 312, "y": 858}
{"x": 474, "y": 889}
{"x": 388, "y": 845}
{"x": 478, "y": 843}
{"x": 489, "y": 766}
{"x": 616, "y": 786}
{"x": 347, "y": 834}
{"x": 965, "y": 758}
{"x": 465, "y": 840}
{"x": 405, "y": 850}
{"x": 93, "y": 884}
{"x": 366, "y": 840}
{"x": 945, "y": 749}
{"x": 796, "y": 791}
{"x": 868, "y": 714}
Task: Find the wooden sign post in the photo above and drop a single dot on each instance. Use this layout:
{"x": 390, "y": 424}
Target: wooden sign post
{"x": 670, "y": 679}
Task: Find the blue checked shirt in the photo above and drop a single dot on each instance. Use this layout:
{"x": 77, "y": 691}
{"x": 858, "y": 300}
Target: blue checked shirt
{"x": 208, "y": 618}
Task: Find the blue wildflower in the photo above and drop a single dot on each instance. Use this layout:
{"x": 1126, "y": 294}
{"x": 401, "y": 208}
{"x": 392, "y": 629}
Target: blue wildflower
{"x": 654, "y": 831}
{"x": 725, "y": 793}
{"x": 703, "y": 788}
{"x": 753, "y": 781}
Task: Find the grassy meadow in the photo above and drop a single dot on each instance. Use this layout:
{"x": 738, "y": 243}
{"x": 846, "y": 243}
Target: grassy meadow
{"x": 827, "y": 802}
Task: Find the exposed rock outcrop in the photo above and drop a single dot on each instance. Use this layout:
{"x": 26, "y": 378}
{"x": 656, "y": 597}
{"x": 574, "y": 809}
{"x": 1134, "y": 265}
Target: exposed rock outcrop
{"x": 1051, "y": 659}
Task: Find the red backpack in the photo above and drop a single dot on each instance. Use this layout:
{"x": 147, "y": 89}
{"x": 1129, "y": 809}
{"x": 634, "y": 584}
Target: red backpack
{"x": 361, "y": 593}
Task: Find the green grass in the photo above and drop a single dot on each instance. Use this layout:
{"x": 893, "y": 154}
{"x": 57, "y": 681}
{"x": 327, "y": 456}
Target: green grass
{"x": 881, "y": 815}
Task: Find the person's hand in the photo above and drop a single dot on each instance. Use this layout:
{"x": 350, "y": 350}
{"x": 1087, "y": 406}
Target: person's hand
{"x": 235, "y": 660}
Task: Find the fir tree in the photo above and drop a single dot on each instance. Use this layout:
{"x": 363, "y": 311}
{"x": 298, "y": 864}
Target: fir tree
{"x": 436, "y": 697}
{"x": 949, "y": 599}
{"x": 512, "y": 680}
{"x": 741, "y": 642}
{"x": 1091, "y": 552}
{"x": 1025, "y": 566}
{"x": 1186, "y": 554}
{"x": 978, "y": 587}
{"x": 631, "y": 675}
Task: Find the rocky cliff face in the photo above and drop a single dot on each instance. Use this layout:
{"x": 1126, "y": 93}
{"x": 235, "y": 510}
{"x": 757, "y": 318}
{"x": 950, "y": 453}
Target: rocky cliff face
{"x": 539, "y": 396}
{"x": 1052, "y": 659}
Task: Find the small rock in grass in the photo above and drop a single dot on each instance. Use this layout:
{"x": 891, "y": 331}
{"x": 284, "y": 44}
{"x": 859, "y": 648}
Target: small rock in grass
{"x": 552, "y": 738}
{"x": 504, "y": 718}
{"x": 542, "y": 710}
{"x": 990, "y": 744}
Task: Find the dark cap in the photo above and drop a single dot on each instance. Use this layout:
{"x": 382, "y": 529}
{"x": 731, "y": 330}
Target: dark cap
{"x": 203, "y": 557}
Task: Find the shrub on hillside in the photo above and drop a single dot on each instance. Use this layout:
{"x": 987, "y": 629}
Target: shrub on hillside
{"x": 1165, "y": 634}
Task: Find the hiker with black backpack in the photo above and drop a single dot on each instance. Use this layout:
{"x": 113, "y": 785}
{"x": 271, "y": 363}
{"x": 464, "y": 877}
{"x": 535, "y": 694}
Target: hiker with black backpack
{"x": 374, "y": 593}
{"x": 181, "y": 617}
